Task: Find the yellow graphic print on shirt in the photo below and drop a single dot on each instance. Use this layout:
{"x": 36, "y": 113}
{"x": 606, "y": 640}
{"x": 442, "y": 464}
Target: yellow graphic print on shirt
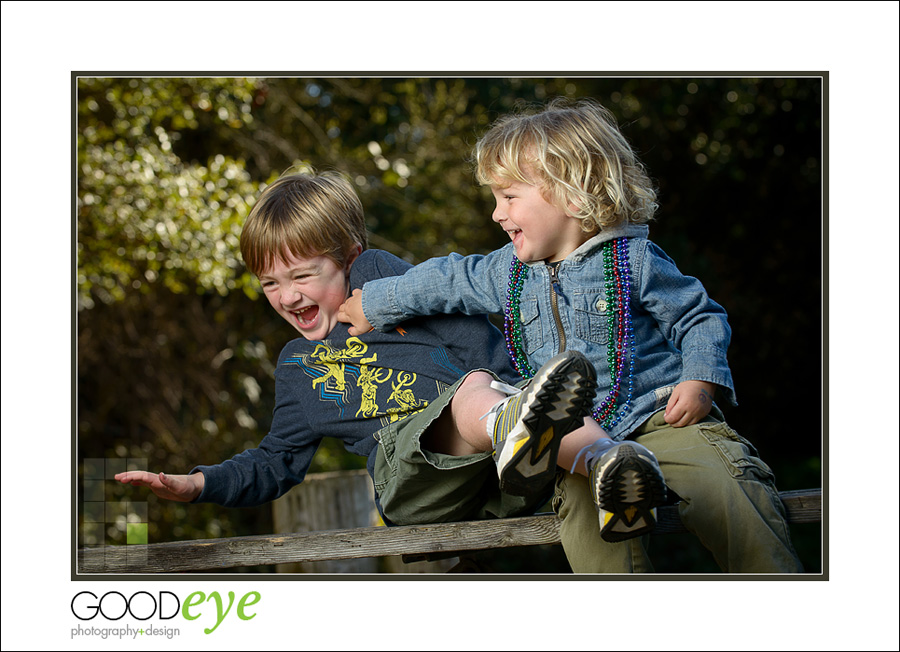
{"x": 337, "y": 372}
{"x": 334, "y": 360}
{"x": 369, "y": 379}
{"x": 404, "y": 397}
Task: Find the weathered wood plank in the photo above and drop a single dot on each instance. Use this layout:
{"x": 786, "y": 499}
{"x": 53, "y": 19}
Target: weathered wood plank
{"x": 803, "y": 506}
{"x": 214, "y": 554}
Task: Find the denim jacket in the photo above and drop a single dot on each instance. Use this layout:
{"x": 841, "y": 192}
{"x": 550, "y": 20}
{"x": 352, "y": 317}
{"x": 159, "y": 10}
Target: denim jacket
{"x": 680, "y": 333}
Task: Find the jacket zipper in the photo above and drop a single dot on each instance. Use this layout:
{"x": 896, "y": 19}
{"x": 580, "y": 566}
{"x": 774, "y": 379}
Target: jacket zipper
{"x": 557, "y": 290}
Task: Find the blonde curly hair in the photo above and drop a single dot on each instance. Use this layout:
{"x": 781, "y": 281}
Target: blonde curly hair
{"x": 575, "y": 153}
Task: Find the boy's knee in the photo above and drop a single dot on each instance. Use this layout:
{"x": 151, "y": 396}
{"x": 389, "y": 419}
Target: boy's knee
{"x": 477, "y": 379}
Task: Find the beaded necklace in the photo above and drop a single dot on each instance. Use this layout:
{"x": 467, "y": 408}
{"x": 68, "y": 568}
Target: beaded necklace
{"x": 619, "y": 356}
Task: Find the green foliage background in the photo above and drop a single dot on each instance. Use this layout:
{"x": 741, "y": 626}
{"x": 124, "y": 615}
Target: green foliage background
{"x": 176, "y": 349}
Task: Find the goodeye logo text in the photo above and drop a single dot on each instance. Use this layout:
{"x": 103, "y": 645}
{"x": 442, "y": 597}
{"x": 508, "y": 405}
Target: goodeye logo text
{"x": 165, "y": 605}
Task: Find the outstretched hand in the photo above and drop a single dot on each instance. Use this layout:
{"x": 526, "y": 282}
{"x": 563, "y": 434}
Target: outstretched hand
{"x": 182, "y": 488}
{"x": 690, "y": 402}
{"x": 351, "y": 312}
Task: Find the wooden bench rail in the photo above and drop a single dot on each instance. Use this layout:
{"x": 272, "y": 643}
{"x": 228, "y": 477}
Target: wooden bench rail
{"x": 804, "y": 506}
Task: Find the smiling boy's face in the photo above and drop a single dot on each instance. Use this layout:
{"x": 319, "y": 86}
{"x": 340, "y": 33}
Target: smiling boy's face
{"x": 307, "y": 292}
{"x": 538, "y": 229}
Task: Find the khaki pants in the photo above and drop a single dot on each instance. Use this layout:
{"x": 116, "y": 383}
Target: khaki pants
{"x": 729, "y": 501}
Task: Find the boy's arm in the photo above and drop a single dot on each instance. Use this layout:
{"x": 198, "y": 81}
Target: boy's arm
{"x": 694, "y": 324}
{"x": 257, "y": 475}
{"x": 262, "y": 474}
{"x": 473, "y": 285}
{"x": 471, "y": 342}
{"x": 248, "y": 479}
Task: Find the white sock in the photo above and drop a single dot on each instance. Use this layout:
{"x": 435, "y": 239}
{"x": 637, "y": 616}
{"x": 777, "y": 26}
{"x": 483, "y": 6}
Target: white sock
{"x": 492, "y": 414}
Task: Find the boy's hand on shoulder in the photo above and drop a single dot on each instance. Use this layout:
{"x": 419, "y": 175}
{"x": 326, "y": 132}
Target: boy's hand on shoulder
{"x": 351, "y": 312}
{"x": 690, "y": 402}
{"x": 182, "y": 488}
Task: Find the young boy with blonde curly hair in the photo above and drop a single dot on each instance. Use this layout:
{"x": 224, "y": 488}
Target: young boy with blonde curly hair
{"x": 581, "y": 275}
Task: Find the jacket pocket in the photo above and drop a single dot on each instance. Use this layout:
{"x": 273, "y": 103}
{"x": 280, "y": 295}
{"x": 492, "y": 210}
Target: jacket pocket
{"x": 532, "y": 333}
{"x": 592, "y": 314}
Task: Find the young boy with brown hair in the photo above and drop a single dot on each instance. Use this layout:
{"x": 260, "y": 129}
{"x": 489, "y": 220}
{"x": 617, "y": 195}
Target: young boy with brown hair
{"x": 580, "y": 275}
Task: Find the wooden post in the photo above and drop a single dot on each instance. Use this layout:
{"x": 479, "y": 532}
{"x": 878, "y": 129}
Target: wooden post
{"x": 328, "y": 501}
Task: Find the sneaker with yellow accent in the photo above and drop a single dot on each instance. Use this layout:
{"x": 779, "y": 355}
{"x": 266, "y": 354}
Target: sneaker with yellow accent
{"x": 526, "y": 428}
{"x": 627, "y": 487}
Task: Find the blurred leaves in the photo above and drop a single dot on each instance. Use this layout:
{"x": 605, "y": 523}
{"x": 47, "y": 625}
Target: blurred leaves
{"x": 146, "y": 216}
{"x": 175, "y": 362}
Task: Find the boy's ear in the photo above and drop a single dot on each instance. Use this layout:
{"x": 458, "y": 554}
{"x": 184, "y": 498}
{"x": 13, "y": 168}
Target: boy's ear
{"x": 352, "y": 256}
{"x": 571, "y": 203}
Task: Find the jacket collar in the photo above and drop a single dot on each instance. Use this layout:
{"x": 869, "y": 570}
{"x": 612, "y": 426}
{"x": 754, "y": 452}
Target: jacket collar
{"x": 611, "y": 233}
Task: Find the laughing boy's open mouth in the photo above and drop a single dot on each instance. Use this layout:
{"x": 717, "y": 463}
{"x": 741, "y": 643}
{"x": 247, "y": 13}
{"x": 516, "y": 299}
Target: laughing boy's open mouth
{"x": 306, "y": 317}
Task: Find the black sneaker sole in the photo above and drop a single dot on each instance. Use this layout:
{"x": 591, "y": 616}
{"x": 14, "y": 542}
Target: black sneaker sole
{"x": 631, "y": 498}
{"x": 557, "y": 404}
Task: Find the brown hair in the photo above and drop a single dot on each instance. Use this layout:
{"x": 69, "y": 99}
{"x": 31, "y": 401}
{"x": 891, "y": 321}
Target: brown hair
{"x": 307, "y": 215}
